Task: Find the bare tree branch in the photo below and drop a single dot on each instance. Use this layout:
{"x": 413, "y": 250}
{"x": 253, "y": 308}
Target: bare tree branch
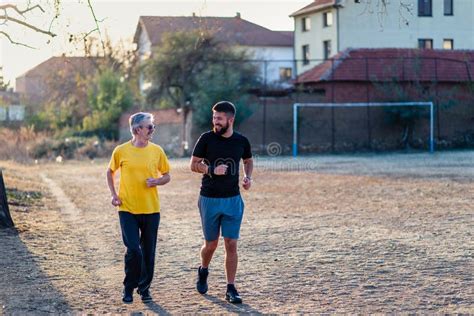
{"x": 28, "y": 25}
{"x": 14, "y": 7}
{"x": 14, "y": 42}
{"x": 96, "y": 24}
{"x": 5, "y": 17}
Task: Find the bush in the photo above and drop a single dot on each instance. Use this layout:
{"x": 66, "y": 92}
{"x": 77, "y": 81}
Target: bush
{"x": 17, "y": 144}
{"x": 72, "y": 148}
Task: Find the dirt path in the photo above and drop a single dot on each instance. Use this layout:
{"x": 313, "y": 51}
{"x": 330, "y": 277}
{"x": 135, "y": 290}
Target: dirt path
{"x": 327, "y": 240}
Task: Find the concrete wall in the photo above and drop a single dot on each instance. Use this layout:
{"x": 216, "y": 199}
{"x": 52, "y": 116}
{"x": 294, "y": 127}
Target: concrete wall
{"x": 314, "y": 38}
{"x": 361, "y": 29}
{"x": 276, "y": 58}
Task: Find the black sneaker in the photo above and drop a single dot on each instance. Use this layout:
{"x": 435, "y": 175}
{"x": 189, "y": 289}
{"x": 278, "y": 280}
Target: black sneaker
{"x": 232, "y": 295}
{"x": 127, "y": 297}
{"x": 145, "y": 295}
{"x": 201, "y": 284}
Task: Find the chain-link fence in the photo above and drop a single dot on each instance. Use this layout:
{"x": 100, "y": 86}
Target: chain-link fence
{"x": 447, "y": 82}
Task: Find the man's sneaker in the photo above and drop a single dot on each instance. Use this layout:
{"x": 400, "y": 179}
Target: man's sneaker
{"x": 232, "y": 295}
{"x": 127, "y": 297}
{"x": 201, "y": 284}
{"x": 145, "y": 295}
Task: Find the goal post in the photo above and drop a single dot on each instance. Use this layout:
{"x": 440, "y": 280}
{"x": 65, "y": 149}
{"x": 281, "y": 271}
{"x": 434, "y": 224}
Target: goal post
{"x": 296, "y": 106}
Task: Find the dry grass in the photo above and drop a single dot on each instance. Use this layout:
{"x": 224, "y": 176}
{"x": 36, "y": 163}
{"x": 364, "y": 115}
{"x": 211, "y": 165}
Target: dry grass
{"x": 17, "y": 144}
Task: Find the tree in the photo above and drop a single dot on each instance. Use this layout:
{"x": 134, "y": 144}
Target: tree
{"x": 109, "y": 97}
{"x": 3, "y": 85}
{"x": 69, "y": 89}
{"x": 418, "y": 89}
{"x": 191, "y": 71}
{"x": 18, "y": 15}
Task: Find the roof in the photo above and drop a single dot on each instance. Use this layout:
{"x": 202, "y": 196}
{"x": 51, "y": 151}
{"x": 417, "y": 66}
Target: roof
{"x": 62, "y": 62}
{"x": 317, "y": 5}
{"x": 383, "y": 64}
{"x": 231, "y": 30}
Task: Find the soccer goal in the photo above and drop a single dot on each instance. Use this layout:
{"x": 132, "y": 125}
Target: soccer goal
{"x": 296, "y": 106}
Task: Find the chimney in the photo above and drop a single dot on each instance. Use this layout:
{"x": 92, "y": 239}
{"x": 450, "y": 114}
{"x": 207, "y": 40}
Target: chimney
{"x": 237, "y": 15}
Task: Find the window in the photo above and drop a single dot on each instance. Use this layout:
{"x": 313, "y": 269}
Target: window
{"x": 285, "y": 73}
{"x": 306, "y": 24}
{"x": 424, "y": 7}
{"x": 327, "y": 49}
{"x": 327, "y": 19}
{"x": 305, "y": 54}
{"x": 448, "y": 43}
{"x": 448, "y": 7}
{"x": 3, "y": 113}
{"x": 425, "y": 43}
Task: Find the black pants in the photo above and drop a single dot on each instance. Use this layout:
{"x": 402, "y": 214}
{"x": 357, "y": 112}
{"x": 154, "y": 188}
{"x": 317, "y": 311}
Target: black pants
{"x": 139, "y": 233}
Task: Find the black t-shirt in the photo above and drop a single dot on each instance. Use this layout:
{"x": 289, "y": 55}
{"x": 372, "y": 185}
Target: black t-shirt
{"x": 217, "y": 150}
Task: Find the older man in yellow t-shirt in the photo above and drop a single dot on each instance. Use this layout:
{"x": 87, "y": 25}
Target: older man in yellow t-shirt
{"x": 143, "y": 166}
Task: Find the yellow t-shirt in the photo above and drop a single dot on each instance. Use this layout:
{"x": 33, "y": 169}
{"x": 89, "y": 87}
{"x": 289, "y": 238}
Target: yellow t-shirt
{"x": 136, "y": 165}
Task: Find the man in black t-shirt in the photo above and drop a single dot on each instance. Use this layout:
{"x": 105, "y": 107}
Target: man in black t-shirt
{"x": 217, "y": 155}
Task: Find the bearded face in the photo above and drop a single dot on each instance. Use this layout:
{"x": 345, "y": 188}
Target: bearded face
{"x": 221, "y": 128}
{"x": 220, "y": 123}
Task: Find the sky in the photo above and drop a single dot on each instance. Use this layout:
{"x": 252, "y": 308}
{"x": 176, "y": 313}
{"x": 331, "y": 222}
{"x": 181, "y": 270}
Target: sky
{"x": 119, "y": 20}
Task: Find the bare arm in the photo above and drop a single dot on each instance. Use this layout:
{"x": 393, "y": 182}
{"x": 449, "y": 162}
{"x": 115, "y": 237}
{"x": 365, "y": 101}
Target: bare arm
{"x": 248, "y": 169}
{"x": 110, "y": 182}
{"x": 197, "y": 165}
{"x": 164, "y": 179}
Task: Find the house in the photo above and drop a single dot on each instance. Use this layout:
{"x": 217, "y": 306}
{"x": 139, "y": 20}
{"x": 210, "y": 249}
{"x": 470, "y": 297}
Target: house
{"x": 445, "y": 77}
{"x": 38, "y": 83}
{"x": 10, "y": 108}
{"x": 324, "y": 28}
{"x": 272, "y": 49}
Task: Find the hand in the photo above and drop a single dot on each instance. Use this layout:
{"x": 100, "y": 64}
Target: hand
{"x": 246, "y": 183}
{"x": 151, "y": 182}
{"x": 116, "y": 200}
{"x": 220, "y": 170}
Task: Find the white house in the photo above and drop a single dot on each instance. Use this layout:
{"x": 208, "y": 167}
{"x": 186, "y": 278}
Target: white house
{"x": 326, "y": 27}
{"x": 271, "y": 50}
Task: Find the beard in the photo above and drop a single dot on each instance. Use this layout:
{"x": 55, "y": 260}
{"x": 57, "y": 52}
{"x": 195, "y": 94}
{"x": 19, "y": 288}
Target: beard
{"x": 222, "y": 129}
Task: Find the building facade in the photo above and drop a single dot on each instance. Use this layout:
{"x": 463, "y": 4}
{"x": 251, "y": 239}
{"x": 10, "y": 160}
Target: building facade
{"x": 326, "y": 27}
{"x": 271, "y": 51}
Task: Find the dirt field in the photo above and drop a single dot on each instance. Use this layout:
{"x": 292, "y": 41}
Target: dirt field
{"x": 328, "y": 234}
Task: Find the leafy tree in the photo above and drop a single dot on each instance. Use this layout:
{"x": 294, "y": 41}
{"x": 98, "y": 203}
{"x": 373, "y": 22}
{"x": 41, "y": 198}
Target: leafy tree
{"x": 109, "y": 97}
{"x": 69, "y": 90}
{"x": 416, "y": 89}
{"x": 191, "y": 71}
{"x": 3, "y": 85}
{"x": 218, "y": 82}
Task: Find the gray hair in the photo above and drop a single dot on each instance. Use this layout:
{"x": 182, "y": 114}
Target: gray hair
{"x": 136, "y": 119}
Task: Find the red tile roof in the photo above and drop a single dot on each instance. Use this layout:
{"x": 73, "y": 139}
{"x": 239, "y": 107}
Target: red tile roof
{"x": 391, "y": 63}
{"x": 315, "y": 6}
{"x": 232, "y": 30}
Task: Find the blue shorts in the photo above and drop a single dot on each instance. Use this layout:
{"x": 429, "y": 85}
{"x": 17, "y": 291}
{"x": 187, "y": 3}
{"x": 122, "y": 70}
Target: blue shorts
{"x": 221, "y": 212}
